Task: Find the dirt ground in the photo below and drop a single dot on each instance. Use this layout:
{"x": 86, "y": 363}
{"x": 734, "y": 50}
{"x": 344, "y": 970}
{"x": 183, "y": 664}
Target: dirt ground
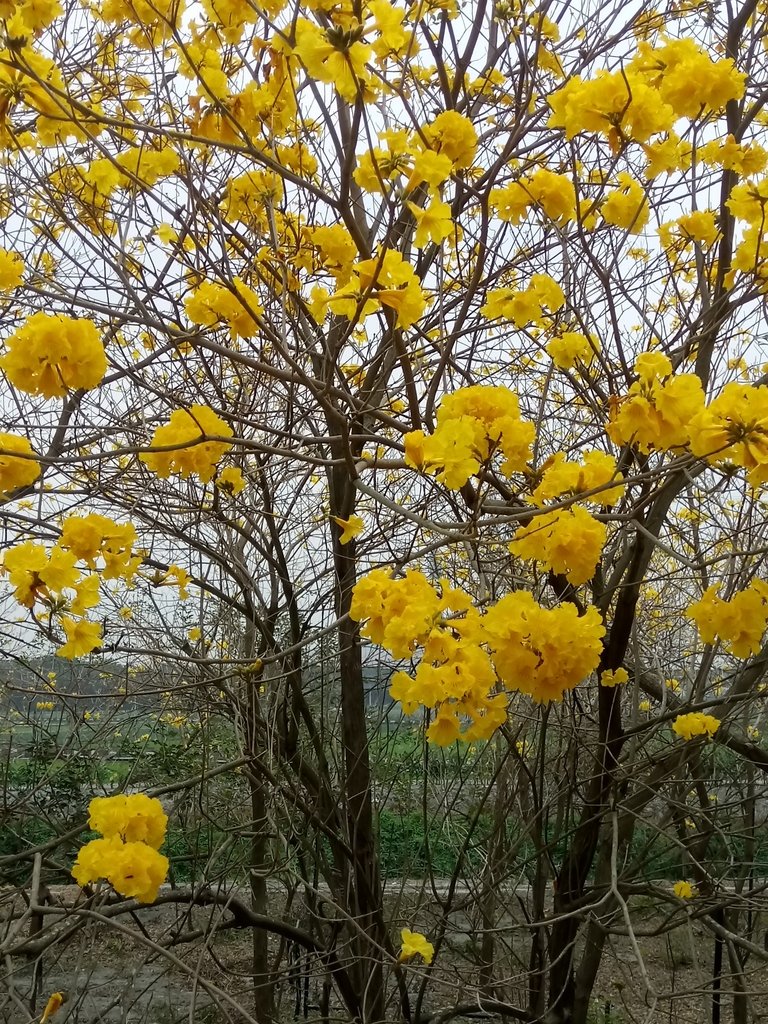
{"x": 124, "y": 971}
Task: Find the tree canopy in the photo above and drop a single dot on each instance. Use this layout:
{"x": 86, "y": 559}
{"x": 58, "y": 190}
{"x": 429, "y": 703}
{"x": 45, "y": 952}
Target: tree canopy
{"x": 418, "y": 340}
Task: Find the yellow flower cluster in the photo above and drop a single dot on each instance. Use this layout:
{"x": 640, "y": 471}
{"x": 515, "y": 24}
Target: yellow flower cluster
{"x": 211, "y": 304}
{"x": 53, "y": 577}
{"x": 29, "y": 14}
{"x": 667, "y": 155}
{"x": 615, "y": 677}
{"x": 554, "y": 194}
{"x": 527, "y": 306}
{"x": 734, "y": 428}
{"x": 385, "y": 280}
{"x": 155, "y": 20}
{"x": 52, "y": 353}
{"x": 626, "y": 206}
{"x": 335, "y": 57}
{"x": 11, "y": 270}
{"x": 619, "y": 105}
{"x": 16, "y": 471}
{"x": 453, "y": 135}
{"x": 90, "y": 186}
{"x": 684, "y": 890}
{"x": 189, "y": 453}
{"x": 538, "y": 651}
{"x": 542, "y": 651}
{"x": 95, "y": 536}
{"x": 559, "y": 477}
{"x": 663, "y": 410}
{"x": 415, "y": 944}
{"x": 648, "y": 95}
{"x": 336, "y": 249}
{"x": 401, "y": 613}
{"x": 230, "y": 480}
{"x": 567, "y": 541}
{"x": 695, "y": 724}
{"x": 427, "y": 157}
{"x": 746, "y": 158}
{"x": 697, "y": 226}
{"x": 671, "y": 68}
{"x": 740, "y": 623}
{"x": 472, "y": 424}
{"x": 133, "y": 829}
{"x": 231, "y": 17}
{"x": 338, "y": 52}
{"x": 30, "y": 79}
{"x": 570, "y": 347}
{"x": 250, "y": 194}
{"x": 659, "y": 409}
{"x": 266, "y": 107}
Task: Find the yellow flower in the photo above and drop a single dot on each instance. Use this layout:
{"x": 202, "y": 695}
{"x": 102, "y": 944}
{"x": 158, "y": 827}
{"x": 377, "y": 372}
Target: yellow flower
{"x": 416, "y": 944}
{"x": 684, "y": 890}
{"x": 670, "y": 69}
{"x": 472, "y": 424}
{"x": 559, "y": 477}
{"x": 453, "y": 135}
{"x": 194, "y": 634}
{"x": 51, "y": 353}
{"x": 570, "y": 347}
{"x": 11, "y": 270}
{"x": 627, "y": 206}
{"x": 178, "y": 577}
{"x": 60, "y": 572}
{"x": 444, "y": 729}
{"x": 330, "y": 57}
{"x": 23, "y": 565}
{"x": 529, "y": 305}
{"x": 661, "y": 408}
{"x": 554, "y": 193}
{"x": 134, "y": 818}
{"x": 93, "y": 536}
{"x": 337, "y": 249}
{"x": 236, "y": 305}
{"x": 512, "y": 202}
{"x": 667, "y": 155}
{"x": 230, "y": 480}
{"x": 739, "y": 623}
{"x": 433, "y": 224}
{"x": 541, "y": 651}
{"x": 619, "y": 105}
{"x": 187, "y": 430}
{"x": 734, "y": 428}
{"x": 16, "y": 472}
{"x": 350, "y": 528}
{"x": 233, "y": 16}
{"x": 617, "y": 677}
{"x": 134, "y": 869}
{"x": 695, "y": 724}
{"x": 166, "y": 233}
{"x": 52, "y": 1006}
{"x": 567, "y": 541}
{"x": 399, "y": 613}
{"x": 82, "y": 637}
{"x": 394, "y": 39}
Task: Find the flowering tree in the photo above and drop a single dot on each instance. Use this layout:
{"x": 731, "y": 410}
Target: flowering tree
{"x": 433, "y": 327}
